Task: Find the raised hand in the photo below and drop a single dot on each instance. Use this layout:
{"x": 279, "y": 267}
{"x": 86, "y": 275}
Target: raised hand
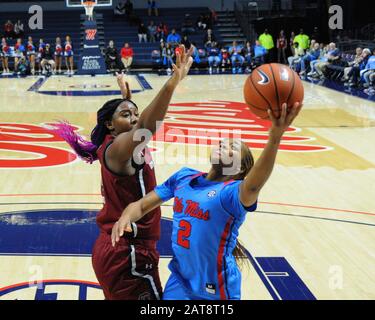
{"x": 183, "y": 64}
{"x": 124, "y": 86}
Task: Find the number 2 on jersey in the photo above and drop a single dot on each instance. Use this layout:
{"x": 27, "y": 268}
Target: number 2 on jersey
{"x": 183, "y": 234}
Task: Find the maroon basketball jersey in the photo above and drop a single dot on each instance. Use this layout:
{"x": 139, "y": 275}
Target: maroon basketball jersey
{"x": 119, "y": 191}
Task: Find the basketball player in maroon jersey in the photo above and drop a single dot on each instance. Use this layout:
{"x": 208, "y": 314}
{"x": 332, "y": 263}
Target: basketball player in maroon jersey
{"x": 129, "y": 271}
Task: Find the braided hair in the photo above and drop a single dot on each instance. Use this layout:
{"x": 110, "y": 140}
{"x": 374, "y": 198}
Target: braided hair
{"x": 86, "y": 150}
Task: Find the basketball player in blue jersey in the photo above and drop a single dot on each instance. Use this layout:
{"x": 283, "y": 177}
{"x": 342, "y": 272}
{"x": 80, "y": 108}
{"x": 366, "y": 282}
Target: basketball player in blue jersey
{"x": 209, "y": 209}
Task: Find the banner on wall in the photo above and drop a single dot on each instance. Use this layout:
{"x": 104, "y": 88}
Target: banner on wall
{"x": 91, "y": 60}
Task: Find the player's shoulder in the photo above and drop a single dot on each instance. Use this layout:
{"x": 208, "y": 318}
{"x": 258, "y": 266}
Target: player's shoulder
{"x": 186, "y": 172}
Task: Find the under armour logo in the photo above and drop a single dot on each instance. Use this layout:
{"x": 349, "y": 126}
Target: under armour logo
{"x": 148, "y": 266}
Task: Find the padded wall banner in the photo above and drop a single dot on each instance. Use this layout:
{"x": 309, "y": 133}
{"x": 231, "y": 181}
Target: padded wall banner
{"x": 91, "y": 60}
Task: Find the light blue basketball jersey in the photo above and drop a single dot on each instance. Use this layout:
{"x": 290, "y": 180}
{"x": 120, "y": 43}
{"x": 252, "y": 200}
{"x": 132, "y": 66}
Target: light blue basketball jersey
{"x": 207, "y": 216}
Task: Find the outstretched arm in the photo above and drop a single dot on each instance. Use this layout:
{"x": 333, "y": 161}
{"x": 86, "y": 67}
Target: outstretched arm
{"x": 134, "y": 212}
{"x": 124, "y": 144}
{"x": 259, "y": 174}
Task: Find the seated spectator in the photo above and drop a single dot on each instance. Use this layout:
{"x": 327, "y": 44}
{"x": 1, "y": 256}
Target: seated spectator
{"x": 209, "y": 37}
{"x": 225, "y": 58}
{"x": 331, "y": 56}
{"x": 188, "y": 25}
{"x": 368, "y": 70}
{"x": 111, "y": 57}
{"x": 168, "y": 57}
{"x": 236, "y": 58}
{"x": 201, "y": 24}
{"x": 248, "y": 52}
{"x": 354, "y": 73}
{"x": 355, "y": 63}
{"x": 259, "y": 54}
{"x": 152, "y": 8}
{"x": 127, "y": 56}
{"x": 47, "y": 58}
{"x": 161, "y": 31}
{"x": 214, "y": 57}
{"x": 5, "y": 52}
{"x": 296, "y": 59}
{"x": 9, "y": 29}
{"x": 174, "y": 38}
{"x": 19, "y": 29}
{"x": 195, "y": 55}
{"x": 142, "y": 33}
{"x": 371, "y": 90}
{"x": 186, "y": 42}
{"x": 312, "y": 55}
{"x": 151, "y": 32}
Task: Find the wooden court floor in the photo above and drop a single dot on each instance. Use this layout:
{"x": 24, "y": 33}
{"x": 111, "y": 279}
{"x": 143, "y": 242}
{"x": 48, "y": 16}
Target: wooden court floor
{"x": 313, "y": 234}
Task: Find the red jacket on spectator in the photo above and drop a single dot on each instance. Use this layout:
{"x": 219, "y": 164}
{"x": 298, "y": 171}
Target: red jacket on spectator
{"x": 164, "y": 29}
{"x": 126, "y": 52}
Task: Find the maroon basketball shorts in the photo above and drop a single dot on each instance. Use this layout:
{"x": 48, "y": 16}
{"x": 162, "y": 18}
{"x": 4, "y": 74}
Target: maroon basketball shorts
{"x": 128, "y": 271}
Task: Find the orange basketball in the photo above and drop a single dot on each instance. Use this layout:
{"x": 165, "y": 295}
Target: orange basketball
{"x": 269, "y": 87}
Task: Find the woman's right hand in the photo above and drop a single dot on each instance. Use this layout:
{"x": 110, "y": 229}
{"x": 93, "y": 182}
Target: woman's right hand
{"x": 183, "y": 64}
{"x": 122, "y": 225}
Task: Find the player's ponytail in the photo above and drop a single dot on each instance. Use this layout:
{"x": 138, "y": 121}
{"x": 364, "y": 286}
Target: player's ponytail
{"x": 239, "y": 253}
{"x": 86, "y": 150}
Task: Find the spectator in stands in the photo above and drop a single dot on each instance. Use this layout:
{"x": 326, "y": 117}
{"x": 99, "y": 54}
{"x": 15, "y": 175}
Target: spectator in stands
{"x": 127, "y": 56}
{"x": 111, "y": 57}
{"x": 120, "y": 8}
{"x": 9, "y": 30}
{"x": 31, "y": 53}
{"x": 168, "y": 57}
{"x": 355, "y": 63}
{"x": 266, "y": 41}
{"x": 209, "y": 38}
{"x": 161, "y": 31}
{"x": 201, "y": 24}
{"x": 291, "y": 43}
{"x": 259, "y": 54}
{"x": 213, "y": 16}
{"x": 281, "y": 45}
{"x": 368, "y": 70}
{"x": 354, "y": 73}
{"x": 19, "y": 29}
{"x": 151, "y": 31}
{"x": 69, "y": 55}
{"x": 58, "y": 55}
{"x": 214, "y": 58}
{"x": 225, "y": 57}
{"x": 5, "y": 52}
{"x": 47, "y": 58}
{"x": 311, "y": 55}
{"x": 247, "y": 53}
{"x": 174, "y": 38}
{"x": 152, "y": 8}
{"x": 19, "y": 52}
{"x": 315, "y": 35}
{"x": 195, "y": 55}
{"x": 142, "y": 32}
{"x": 332, "y": 55}
{"x": 303, "y": 40}
{"x": 128, "y": 6}
{"x": 186, "y": 42}
{"x": 187, "y": 25}
{"x": 236, "y": 58}
{"x": 296, "y": 59}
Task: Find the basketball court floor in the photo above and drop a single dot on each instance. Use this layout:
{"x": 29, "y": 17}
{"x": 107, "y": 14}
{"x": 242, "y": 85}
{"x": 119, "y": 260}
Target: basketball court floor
{"x": 312, "y": 236}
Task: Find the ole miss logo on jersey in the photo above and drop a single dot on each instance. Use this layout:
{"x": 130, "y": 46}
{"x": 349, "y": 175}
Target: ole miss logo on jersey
{"x": 90, "y": 34}
{"x": 192, "y": 209}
